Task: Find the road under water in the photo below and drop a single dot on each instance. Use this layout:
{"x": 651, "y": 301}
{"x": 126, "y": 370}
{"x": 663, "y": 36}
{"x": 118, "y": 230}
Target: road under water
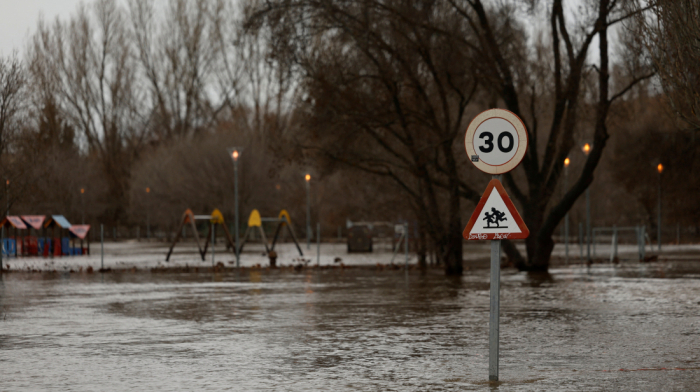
{"x": 628, "y": 328}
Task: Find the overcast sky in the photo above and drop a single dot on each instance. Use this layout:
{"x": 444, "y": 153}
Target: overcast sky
{"x": 18, "y": 18}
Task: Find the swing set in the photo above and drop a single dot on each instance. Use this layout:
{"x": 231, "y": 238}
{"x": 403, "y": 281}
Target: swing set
{"x": 282, "y": 220}
{"x": 255, "y": 222}
{"x": 189, "y": 219}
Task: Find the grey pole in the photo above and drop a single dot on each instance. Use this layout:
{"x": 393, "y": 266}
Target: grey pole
{"x": 566, "y": 217}
{"x": 102, "y": 247}
{"x": 82, "y": 201}
{"x": 494, "y": 310}
{"x": 318, "y": 244}
{"x": 588, "y": 224}
{"x": 405, "y": 244}
{"x": 308, "y": 214}
{"x": 580, "y": 240}
{"x": 7, "y": 192}
{"x": 213, "y": 237}
{"x": 613, "y": 253}
{"x": 235, "y": 229}
{"x": 658, "y": 224}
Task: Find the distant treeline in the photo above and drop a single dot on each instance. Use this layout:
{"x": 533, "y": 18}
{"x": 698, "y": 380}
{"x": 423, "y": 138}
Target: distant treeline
{"x": 138, "y": 103}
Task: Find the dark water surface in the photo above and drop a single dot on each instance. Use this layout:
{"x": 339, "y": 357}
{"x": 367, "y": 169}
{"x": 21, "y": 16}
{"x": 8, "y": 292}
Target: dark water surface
{"x": 353, "y": 329}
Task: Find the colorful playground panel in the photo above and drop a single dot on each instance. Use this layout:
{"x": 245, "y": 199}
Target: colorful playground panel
{"x": 45, "y": 245}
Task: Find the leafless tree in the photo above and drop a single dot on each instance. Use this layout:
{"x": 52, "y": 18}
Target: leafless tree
{"x": 88, "y": 66}
{"x": 179, "y": 55}
{"x": 672, "y": 36}
{"x": 381, "y": 79}
{"x": 387, "y": 96}
{"x": 12, "y": 98}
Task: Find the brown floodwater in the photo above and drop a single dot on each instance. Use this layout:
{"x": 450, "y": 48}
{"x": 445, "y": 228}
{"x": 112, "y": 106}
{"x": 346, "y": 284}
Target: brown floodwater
{"x": 634, "y": 327}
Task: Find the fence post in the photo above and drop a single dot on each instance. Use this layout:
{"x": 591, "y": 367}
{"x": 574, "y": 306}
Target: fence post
{"x": 102, "y": 247}
{"x": 613, "y": 251}
{"x": 580, "y": 240}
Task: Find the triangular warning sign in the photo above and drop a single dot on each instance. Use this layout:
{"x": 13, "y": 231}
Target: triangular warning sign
{"x": 495, "y": 217}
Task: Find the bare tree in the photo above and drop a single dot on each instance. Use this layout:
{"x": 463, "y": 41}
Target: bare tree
{"x": 672, "y": 36}
{"x": 387, "y": 96}
{"x": 179, "y": 55}
{"x": 12, "y": 98}
{"x": 402, "y": 56}
{"x": 87, "y": 64}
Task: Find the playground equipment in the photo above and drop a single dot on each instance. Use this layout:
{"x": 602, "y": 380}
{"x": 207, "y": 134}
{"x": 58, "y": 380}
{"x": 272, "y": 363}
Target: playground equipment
{"x": 57, "y": 246}
{"x": 80, "y": 232}
{"x": 189, "y": 218}
{"x": 282, "y": 220}
{"x": 33, "y": 245}
{"x": 9, "y": 245}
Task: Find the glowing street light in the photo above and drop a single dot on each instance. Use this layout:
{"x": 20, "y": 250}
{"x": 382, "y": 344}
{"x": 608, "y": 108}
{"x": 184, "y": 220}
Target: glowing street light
{"x": 586, "y": 150}
{"x": 308, "y": 211}
{"x": 235, "y": 154}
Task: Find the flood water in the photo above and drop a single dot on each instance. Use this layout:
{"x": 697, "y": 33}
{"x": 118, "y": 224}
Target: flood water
{"x": 629, "y": 328}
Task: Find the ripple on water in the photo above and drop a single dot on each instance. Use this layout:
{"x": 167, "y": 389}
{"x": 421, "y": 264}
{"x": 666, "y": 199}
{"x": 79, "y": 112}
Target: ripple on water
{"x": 627, "y": 328}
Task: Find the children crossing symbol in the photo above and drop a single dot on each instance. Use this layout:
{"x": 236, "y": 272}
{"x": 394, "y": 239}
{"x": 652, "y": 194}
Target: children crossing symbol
{"x": 495, "y": 217}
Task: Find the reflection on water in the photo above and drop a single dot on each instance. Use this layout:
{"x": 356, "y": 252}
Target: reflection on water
{"x": 632, "y": 327}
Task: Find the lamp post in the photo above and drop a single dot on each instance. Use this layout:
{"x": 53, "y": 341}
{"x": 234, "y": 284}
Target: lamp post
{"x": 566, "y": 217}
{"x": 235, "y": 154}
{"x": 7, "y": 193}
{"x": 308, "y": 211}
{"x": 659, "y": 168}
{"x": 587, "y": 149}
{"x": 148, "y": 214}
{"x": 82, "y": 201}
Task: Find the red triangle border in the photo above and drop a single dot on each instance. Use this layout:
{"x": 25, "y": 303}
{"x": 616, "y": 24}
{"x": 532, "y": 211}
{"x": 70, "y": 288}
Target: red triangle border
{"x": 509, "y": 204}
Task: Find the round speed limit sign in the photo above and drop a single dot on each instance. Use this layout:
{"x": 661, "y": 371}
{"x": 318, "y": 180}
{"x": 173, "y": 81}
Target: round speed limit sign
{"x": 496, "y": 141}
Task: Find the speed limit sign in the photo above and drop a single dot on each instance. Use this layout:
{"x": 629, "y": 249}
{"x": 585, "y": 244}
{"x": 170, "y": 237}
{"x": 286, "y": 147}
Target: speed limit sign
{"x": 496, "y": 141}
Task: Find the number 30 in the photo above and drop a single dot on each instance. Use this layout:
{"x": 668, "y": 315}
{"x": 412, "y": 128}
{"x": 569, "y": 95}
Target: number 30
{"x": 489, "y": 142}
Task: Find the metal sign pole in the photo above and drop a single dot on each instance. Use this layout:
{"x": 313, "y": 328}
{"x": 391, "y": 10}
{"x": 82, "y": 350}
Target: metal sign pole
{"x": 494, "y": 310}
{"x": 496, "y": 148}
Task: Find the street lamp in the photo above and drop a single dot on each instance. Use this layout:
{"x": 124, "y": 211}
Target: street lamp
{"x": 82, "y": 201}
{"x": 659, "y": 168}
{"x": 587, "y": 149}
{"x": 308, "y": 211}
{"x": 566, "y": 217}
{"x": 235, "y": 153}
{"x": 7, "y": 193}
{"x": 148, "y": 214}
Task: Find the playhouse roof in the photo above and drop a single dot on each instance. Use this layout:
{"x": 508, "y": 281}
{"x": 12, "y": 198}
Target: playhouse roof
{"x": 57, "y": 220}
{"x": 13, "y": 221}
{"x": 35, "y": 221}
{"x": 80, "y": 231}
